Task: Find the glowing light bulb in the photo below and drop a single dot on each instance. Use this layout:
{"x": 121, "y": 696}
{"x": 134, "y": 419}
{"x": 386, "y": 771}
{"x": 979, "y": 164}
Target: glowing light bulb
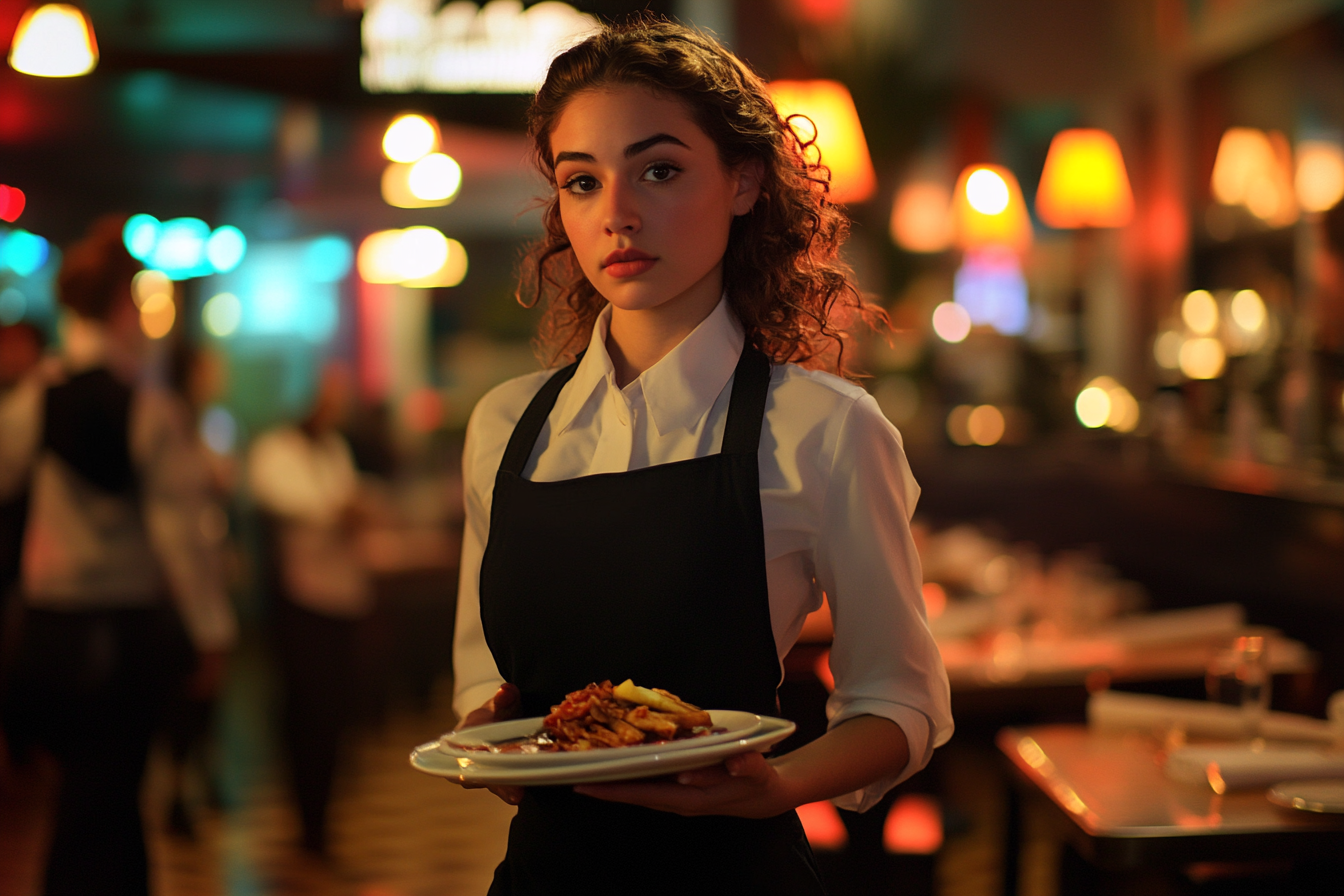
{"x": 1093, "y": 407}
{"x": 409, "y": 138}
{"x": 1248, "y": 310}
{"x": 1200, "y": 312}
{"x": 54, "y": 40}
{"x": 222, "y": 314}
{"x": 987, "y": 192}
{"x": 951, "y": 322}
{"x": 435, "y": 178}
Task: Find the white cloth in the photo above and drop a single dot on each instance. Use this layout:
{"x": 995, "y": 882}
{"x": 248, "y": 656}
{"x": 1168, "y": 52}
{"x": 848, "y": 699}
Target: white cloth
{"x": 85, "y": 549}
{"x": 308, "y": 484}
{"x": 836, "y": 497}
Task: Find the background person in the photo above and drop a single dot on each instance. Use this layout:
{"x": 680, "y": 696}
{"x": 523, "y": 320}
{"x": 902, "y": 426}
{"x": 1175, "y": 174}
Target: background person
{"x": 113, "y": 568}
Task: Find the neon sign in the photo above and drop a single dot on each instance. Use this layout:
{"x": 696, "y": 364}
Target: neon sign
{"x": 410, "y": 45}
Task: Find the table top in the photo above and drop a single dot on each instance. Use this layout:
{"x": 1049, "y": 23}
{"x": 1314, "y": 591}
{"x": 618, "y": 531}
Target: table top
{"x": 1125, "y": 811}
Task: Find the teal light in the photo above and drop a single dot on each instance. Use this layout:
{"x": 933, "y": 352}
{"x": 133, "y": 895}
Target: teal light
{"x": 328, "y": 258}
{"x": 12, "y": 306}
{"x": 180, "y": 250}
{"x": 23, "y": 252}
{"x": 140, "y": 235}
{"x": 226, "y": 248}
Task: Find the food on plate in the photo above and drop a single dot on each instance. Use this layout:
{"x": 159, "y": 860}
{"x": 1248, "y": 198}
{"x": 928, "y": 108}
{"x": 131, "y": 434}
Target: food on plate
{"x": 601, "y": 716}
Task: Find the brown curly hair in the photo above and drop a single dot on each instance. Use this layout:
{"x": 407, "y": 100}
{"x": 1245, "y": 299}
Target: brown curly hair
{"x": 782, "y": 274}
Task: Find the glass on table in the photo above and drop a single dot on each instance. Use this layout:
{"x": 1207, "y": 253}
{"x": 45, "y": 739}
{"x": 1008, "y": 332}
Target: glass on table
{"x": 1239, "y": 676}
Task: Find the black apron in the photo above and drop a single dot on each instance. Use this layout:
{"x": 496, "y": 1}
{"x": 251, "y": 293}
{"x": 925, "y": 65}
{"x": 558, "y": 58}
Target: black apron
{"x": 656, "y": 575}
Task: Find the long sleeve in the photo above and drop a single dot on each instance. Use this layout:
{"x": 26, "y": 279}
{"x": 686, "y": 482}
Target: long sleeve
{"x": 884, "y": 658}
{"x": 176, "y": 506}
{"x": 475, "y": 675}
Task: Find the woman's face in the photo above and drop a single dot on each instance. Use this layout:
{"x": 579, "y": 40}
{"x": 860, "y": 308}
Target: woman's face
{"x": 645, "y": 201}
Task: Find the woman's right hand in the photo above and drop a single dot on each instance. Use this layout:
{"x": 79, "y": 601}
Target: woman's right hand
{"x": 499, "y": 708}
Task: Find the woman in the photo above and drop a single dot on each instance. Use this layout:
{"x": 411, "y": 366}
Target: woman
{"x": 672, "y": 505}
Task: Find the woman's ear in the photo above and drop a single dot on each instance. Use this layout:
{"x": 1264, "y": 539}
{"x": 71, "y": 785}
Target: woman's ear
{"x": 749, "y": 177}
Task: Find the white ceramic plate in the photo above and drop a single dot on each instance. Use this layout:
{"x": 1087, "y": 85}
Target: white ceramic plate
{"x": 458, "y": 744}
{"x": 617, "y": 764}
{"x": 1326, "y": 795}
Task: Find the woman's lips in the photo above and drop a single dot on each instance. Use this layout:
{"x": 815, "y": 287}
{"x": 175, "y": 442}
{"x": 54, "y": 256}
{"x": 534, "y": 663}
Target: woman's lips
{"x": 627, "y": 263}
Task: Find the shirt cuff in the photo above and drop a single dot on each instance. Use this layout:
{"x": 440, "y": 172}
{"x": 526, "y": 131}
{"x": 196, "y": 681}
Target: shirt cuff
{"x": 916, "y": 727}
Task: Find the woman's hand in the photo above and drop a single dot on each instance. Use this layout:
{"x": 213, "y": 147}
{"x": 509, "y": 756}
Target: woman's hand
{"x": 745, "y": 785}
{"x": 499, "y": 708}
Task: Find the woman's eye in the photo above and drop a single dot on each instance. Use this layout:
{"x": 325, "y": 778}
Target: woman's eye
{"x": 660, "y": 172}
{"x": 582, "y": 183}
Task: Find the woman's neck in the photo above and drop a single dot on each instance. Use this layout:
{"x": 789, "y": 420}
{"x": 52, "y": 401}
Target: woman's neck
{"x": 639, "y": 338}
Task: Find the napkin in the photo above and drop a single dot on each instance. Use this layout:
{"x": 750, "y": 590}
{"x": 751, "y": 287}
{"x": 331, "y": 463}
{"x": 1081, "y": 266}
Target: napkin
{"x": 1241, "y": 767}
{"x": 1119, "y": 711}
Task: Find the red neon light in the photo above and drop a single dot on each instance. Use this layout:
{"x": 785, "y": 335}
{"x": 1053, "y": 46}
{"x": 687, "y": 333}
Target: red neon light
{"x": 12, "y": 202}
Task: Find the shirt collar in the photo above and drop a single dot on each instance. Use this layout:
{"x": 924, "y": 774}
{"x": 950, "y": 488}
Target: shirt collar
{"x": 678, "y": 390}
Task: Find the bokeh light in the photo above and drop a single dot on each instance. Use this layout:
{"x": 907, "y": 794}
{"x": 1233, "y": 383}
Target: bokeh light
{"x": 148, "y": 285}
{"x": 914, "y": 826}
{"x": 985, "y": 425}
{"x": 221, "y": 314}
{"x": 1202, "y": 358}
{"x": 1167, "y": 349}
{"x": 951, "y": 322}
{"x": 225, "y": 248}
{"x": 1248, "y": 310}
{"x": 1093, "y": 407}
{"x": 219, "y": 430}
{"x": 327, "y": 259}
{"x": 958, "y": 424}
{"x": 140, "y": 235}
{"x": 23, "y": 253}
{"x": 410, "y": 137}
{"x": 990, "y": 286}
{"x": 921, "y": 217}
{"x": 157, "y": 315}
{"x": 398, "y": 256}
{"x": 1319, "y": 180}
{"x": 435, "y": 178}
{"x": 1199, "y": 310}
{"x": 987, "y": 192}
{"x": 13, "y": 305}
{"x": 54, "y": 40}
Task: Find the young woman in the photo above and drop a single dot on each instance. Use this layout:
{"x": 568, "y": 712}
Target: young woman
{"x": 670, "y": 506}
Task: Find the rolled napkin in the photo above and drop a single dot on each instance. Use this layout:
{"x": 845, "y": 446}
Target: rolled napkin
{"x": 1241, "y": 767}
{"x": 1119, "y": 711}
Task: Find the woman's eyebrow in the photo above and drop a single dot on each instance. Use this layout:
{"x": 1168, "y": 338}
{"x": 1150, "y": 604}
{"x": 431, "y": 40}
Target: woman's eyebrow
{"x": 635, "y": 149}
{"x": 631, "y": 151}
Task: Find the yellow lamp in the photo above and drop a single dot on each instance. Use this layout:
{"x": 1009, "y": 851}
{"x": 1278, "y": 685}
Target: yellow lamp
{"x": 839, "y": 135}
{"x": 54, "y": 40}
{"x": 1084, "y": 183}
{"x": 988, "y": 209}
{"x": 1253, "y": 168}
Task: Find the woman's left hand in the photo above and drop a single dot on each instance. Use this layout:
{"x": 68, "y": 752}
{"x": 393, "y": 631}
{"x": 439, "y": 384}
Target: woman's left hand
{"x": 745, "y": 785}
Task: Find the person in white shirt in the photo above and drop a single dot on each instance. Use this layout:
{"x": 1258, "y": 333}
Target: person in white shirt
{"x": 303, "y": 479}
{"x": 115, "y": 565}
{"x": 672, "y": 504}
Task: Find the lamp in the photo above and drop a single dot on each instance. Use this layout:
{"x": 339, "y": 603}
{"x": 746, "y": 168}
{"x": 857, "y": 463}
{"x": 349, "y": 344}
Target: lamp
{"x": 988, "y": 209}
{"x": 1253, "y": 168}
{"x": 1084, "y": 183}
{"x": 54, "y": 40}
{"x": 839, "y": 135}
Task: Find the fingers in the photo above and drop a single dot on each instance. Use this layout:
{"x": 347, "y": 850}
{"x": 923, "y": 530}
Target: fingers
{"x": 504, "y": 705}
{"x": 704, "y": 777}
{"x": 751, "y": 766}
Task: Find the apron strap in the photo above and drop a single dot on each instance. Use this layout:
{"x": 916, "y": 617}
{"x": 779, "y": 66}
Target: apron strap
{"x": 746, "y": 407}
{"x": 534, "y": 418}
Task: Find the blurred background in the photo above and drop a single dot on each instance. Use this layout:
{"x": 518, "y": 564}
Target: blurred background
{"x": 1102, "y": 231}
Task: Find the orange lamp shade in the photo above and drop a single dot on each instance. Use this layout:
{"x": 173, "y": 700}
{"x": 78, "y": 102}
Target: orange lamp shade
{"x": 1253, "y": 168}
{"x": 1084, "y": 183}
{"x": 839, "y": 135}
{"x": 988, "y": 209}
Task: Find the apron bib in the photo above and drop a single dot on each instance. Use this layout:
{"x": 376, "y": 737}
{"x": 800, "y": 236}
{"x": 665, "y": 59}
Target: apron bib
{"x": 656, "y": 575}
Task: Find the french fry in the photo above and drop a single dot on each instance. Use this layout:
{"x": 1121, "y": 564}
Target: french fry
{"x": 658, "y": 723}
{"x": 628, "y": 733}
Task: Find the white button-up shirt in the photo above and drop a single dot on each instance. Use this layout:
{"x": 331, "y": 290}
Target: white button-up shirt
{"x": 836, "y": 498}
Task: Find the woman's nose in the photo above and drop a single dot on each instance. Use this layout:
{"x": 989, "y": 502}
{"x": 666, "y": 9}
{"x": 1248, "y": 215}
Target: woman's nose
{"x": 622, "y": 216}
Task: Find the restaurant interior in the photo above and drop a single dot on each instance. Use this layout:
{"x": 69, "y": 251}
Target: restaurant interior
{"x": 1102, "y": 231}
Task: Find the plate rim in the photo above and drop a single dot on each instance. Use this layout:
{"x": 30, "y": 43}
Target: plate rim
{"x": 585, "y": 757}
{"x": 619, "y": 767}
{"x": 1278, "y": 795}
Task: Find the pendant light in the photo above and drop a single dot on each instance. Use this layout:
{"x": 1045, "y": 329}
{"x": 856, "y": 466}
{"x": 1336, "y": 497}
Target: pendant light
{"x": 54, "y": 40}
{"x": 1084, "y": 183}
{"x": 838, "y": 133}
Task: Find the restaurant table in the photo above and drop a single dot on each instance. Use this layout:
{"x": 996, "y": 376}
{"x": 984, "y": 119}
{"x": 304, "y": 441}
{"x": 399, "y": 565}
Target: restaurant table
{"x": 1111, "y": 802}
